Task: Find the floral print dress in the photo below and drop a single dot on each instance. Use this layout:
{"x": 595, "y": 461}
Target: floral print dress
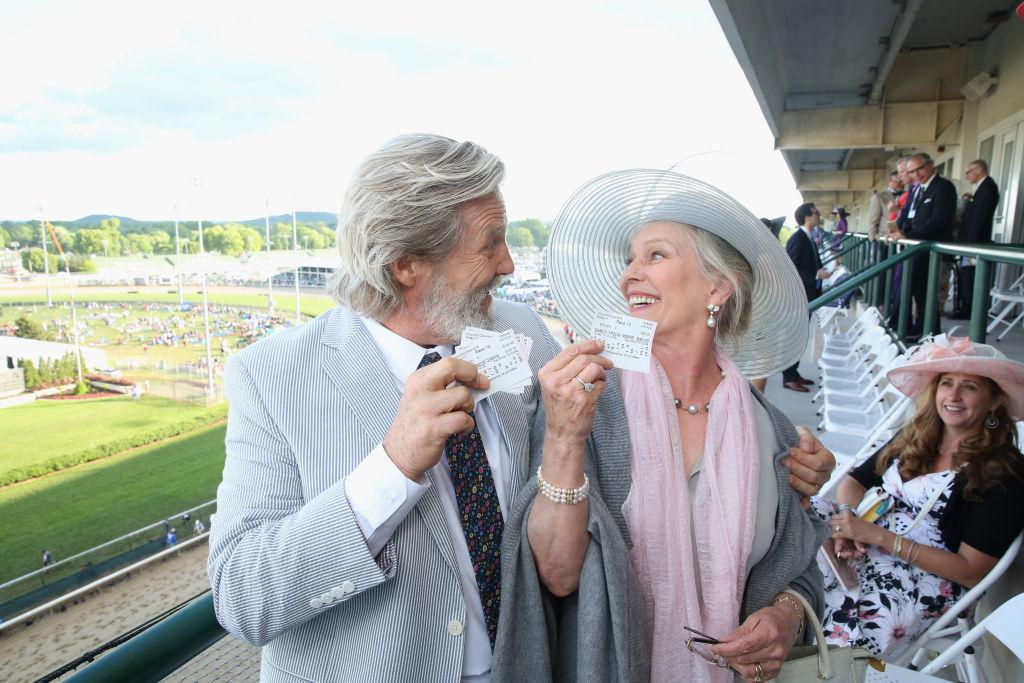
{"x": 895, "y": 602}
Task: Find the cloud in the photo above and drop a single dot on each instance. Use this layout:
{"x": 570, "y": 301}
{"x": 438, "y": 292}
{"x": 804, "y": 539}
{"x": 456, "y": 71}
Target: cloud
{"x": 260, "y": 100}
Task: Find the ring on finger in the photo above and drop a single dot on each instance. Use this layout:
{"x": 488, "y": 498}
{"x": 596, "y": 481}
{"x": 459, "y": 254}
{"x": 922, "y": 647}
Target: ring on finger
{"x": 758, "y": 672}
{"x": 587, "y": 386}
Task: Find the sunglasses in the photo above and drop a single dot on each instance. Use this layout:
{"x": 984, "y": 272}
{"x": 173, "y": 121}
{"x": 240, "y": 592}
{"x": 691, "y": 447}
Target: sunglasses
{"x": 698, "y": 645}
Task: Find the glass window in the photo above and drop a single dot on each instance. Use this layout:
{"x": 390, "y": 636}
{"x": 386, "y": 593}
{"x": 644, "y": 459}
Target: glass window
{"x": 986, "y": 148}
{"x": 1004, "y": 174}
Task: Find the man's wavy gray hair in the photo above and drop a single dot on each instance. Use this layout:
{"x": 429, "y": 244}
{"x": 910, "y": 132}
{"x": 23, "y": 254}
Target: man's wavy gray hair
{"x": 405, "y": 200}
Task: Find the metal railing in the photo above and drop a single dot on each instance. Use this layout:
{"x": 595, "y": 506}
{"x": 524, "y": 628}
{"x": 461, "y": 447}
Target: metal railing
{"x": 873, "y": 265}
{"x": 50, "y": 583}
{"x": 174, "y": 641}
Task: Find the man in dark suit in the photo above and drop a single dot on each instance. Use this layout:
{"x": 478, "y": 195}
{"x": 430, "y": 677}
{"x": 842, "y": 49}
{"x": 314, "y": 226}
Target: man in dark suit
{"x": 804, "y": 255}
{"x": 975, "y": 228}
{"x": 930, "y": 217}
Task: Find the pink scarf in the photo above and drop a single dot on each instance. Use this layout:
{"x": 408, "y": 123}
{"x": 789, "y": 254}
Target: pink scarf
{"x": 660, "y": 516}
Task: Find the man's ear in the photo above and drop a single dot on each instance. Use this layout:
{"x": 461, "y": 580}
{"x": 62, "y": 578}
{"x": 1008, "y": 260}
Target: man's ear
{"x": 407, "y": 270}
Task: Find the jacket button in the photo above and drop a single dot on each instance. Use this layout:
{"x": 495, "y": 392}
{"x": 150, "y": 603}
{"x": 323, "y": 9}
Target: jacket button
{"x": 326, "y": 598}
{"x": 455, "y": 627}
{"x": 315, "y": 603}
{"x": 347, "y": 587}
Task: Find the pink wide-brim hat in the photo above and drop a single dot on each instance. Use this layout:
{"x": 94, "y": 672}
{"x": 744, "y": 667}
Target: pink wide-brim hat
{"x": 960, "y": 355}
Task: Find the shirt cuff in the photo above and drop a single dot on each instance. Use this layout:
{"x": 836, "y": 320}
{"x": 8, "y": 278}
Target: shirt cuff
{"x": 380, "y": 497}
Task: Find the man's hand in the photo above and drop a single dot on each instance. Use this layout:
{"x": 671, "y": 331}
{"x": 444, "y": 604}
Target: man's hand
{"x": 810, "y": 465}
{"x": 432, "y": 409}
{"x": 822, "y": 274}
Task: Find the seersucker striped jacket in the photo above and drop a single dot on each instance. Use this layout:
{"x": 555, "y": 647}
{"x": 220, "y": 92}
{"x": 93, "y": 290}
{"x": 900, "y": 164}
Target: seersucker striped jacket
{"x": 306, "y": 406}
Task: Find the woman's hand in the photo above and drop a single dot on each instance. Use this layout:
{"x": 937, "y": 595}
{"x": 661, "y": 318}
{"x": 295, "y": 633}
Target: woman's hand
{"x": 846, "y": 525}
{"x": 847, "y": 549}
{"x": 568, "y": 406}
{"x": 763, "y": 640}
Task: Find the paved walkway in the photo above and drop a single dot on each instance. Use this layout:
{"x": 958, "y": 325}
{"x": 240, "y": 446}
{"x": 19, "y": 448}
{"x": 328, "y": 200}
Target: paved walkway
{"x": 49, "y": 642}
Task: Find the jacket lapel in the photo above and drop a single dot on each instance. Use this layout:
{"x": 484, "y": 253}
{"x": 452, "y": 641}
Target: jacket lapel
{"x": 357, "y": 368}
{"x": 514, "y": 423}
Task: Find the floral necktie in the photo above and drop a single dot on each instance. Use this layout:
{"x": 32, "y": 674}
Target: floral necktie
{"x": 479, "y": 512}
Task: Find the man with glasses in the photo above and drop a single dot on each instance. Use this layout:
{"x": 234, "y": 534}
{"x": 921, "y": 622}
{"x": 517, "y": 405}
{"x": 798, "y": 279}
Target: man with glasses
{"x": 975, "y": 228}
{"x": 930, "y": 217}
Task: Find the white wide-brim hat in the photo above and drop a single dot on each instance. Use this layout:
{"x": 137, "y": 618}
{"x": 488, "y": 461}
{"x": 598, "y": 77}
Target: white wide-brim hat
{"x": 589, "y": 243}
{"x": 960, "y": 355}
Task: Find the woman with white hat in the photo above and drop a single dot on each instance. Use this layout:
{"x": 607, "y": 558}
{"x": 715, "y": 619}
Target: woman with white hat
{"x": 952, "y": 486}
{"x": 691, "y": 525}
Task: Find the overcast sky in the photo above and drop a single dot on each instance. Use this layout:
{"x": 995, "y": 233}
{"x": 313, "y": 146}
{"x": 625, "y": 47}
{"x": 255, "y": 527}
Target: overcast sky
{"x": 113, "y": 107}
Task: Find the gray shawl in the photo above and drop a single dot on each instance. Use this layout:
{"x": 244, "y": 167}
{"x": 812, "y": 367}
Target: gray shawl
{"x": 599, "y": 632}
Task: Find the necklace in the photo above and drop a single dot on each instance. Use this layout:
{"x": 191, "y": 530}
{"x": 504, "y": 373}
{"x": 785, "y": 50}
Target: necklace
{"x": 693, "y": 408}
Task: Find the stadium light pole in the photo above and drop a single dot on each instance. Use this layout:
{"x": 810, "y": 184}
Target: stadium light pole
{"x": 46, "y": 256}
{"x": 295, "y": 251}
{"x": 206, "y": 300}
{"x": 78, "y": 343}
{"x": 270, "y": 263}
{"x": 177, "y": 255}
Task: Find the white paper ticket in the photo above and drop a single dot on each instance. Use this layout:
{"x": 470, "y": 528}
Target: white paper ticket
{"x": 500, "y": 358}
{"x": 471, "y": 334}
{"x": 627, "y": 340}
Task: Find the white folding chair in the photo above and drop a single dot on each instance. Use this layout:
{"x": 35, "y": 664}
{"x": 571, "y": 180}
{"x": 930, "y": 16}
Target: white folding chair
{"x": 1003, "y": 624}
{"x": 850, "y": 450}
{"x": 858, "y": 395}
{"x": 941, "y": 635}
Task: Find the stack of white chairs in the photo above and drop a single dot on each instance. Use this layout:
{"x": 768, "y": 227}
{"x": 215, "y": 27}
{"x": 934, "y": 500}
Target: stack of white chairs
{"x": 1004, "y": 302}
{"x": 859, "y": 411}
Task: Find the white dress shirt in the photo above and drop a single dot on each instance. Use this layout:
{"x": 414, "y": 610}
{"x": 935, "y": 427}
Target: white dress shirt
{"x": 381, "y": 496}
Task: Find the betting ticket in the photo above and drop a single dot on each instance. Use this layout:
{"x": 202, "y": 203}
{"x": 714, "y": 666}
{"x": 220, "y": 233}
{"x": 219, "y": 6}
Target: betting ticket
{"x": 627, "y": 340}
{"x": 471, "y": 334}
{"x": 500, "y": 357}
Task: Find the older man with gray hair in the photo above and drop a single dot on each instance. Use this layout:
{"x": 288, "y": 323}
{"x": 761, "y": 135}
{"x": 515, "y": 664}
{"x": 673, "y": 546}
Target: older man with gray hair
{"x": 359, "y": 520}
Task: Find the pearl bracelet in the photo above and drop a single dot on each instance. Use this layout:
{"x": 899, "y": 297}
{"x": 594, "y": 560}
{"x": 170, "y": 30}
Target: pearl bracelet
{"x": 564, "y": 496}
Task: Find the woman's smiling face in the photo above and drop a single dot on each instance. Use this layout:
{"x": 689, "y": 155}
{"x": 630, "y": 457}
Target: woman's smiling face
{"x": 662, "y": 280}
{"x": 963, "y": 401}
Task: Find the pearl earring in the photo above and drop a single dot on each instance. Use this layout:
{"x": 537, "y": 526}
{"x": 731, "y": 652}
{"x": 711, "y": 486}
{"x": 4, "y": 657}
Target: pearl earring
{"x": 712, "y": 309}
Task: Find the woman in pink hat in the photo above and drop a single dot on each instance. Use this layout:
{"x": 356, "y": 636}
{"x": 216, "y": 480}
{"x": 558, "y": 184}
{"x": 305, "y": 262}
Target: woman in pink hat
{"x": 953, "y": 484}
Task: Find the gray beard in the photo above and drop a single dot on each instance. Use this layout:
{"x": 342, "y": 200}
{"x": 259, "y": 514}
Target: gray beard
{"x": 447, "y": 312}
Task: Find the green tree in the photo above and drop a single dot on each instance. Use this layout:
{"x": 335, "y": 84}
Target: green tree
{"x": 24, "y": 234}
{"x": 538, "y": 230}
{"x": 520, "y": 237}
{"x": 310, "y": 238}
{"x": 32, "y": 260}
{"x": 80, "y": 263}
{"x": 281, "y": 236}
{"x": 26, "y": 328}
{"x": 90, "y": 241}
{"x": 162, "y": 242}
{"x": 137, "y": 243}
{"x": 64, "y": 237}
{"x": 252, "y": 240}
{"x": 329, "y": 234}
{"x": 32, "y": 379}
{"x": 5, "y": 238}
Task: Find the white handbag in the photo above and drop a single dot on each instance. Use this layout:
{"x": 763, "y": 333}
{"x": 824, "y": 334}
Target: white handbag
{"x": 822, "y": 661}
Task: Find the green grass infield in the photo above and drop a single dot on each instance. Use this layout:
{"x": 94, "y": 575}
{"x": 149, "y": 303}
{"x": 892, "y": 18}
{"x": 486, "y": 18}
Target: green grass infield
{"x": 79, "y": 508}
{"x": 48, "y": 436}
